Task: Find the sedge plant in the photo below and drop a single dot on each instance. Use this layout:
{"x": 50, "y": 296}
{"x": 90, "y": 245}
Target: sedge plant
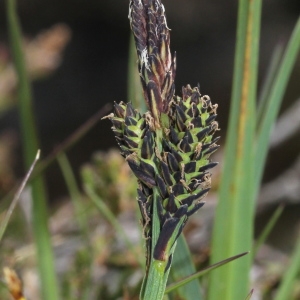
{"x": 167, "y": 148}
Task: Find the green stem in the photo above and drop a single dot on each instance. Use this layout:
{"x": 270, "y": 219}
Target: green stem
{"x": 156, "y": 283}
{"x": 45, "y": 258}
{"x": 155, "y": 280}
{"x": 289, "y": 279}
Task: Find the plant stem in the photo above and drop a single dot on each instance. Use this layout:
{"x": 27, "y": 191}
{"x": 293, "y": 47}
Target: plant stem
{"x": 155, "y": 280}
{"x": 45, "y": 258}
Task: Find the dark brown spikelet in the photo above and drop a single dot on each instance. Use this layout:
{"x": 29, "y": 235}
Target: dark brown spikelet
{"x": 156, "y": 65}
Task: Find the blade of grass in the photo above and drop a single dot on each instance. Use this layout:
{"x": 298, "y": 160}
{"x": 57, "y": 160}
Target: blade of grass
{"x": 285, "y": 288}
{"x": 16, "y": 198}
{"x": 274, "y": 100}
{"x": 233, "y": 227}
{"x": 249, "y": 295}
{"x": 75, "y": 195}
{"x": 203, "y": 272}
{"x": 182, "y": 266}
{"x": 65, "y": 145}
{"x": 49, "y": 287}
{"x": 267, "y": 85}
{"x": 106, "y": 212}
{"x": 267, "y": 229}
{"x": 81, "y": 219}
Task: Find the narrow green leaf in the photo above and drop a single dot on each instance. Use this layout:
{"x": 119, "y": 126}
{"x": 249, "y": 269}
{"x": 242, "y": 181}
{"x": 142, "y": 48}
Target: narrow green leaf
{"x": 267, "y": 229}
{"x": 75, "y": 195}
{"x": 106, "y": 212}
{"x": 286, "y": 287}
{"x": 154, "y": 282}
{"x": 46, "y": 264}
{"x": 249, "y": 295}
{"x": 233, "y": 228}
{"x": 68, "y": 143}
{"x": 274, "y": 101}
{"x": 189, "y": 278}
{"x": 182, "y": 266}
{"x": 14, "y": 202}
{"x": 267, "y": 85}
{"x": 81, "y": 220}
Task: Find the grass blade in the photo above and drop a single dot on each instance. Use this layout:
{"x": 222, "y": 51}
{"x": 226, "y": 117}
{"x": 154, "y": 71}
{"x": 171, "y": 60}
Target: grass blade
{"x": 267, "y": 229}
{"x": 249, "y": 295}
{"x": 188, "y": 279}
{"x": 14, "y": 202}
{"x": 82, "y": 222}
{"x": 286, "y": 286}
{"x": 267, "y": 85}
{"x": 75, "y": 194}
{"x": 65, "y": 145}
{"x": 236, "y": 203}
{"x": 274, "y": 100}
{"x": 182, "y": 266}
{"x": 106, "y": 212}
{"x": 49, "y": 285}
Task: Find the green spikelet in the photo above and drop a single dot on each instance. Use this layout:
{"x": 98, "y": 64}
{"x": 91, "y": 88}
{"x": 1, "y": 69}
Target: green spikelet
{"x": 168, "y": 147}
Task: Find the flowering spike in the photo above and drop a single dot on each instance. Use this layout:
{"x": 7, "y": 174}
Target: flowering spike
{"x": 156, "y": 65}
{"x": 169, "y": 147}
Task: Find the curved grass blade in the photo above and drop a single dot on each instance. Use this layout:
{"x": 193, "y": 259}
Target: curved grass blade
{"x": 75, "y": 194}
{"x": 267, "y": 229}
{"x": 16, "y": 198}
{"x": 188, "y": 279}
{"x": 274, "y": 100}
{"x": 286, "y": 286}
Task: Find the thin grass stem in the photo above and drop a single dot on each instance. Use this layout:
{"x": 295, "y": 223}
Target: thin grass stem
{"x": 106, "y": 212}
{"x": 16, "y": 198}
{"x": 49, "y": 286}
{"x": 267, "y": 229}
{"x": 286, "y": 287}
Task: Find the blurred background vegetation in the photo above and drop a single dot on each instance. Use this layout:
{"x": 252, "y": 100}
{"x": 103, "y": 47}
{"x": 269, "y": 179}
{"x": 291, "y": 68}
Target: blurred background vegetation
{"x": 77, "y": 59}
